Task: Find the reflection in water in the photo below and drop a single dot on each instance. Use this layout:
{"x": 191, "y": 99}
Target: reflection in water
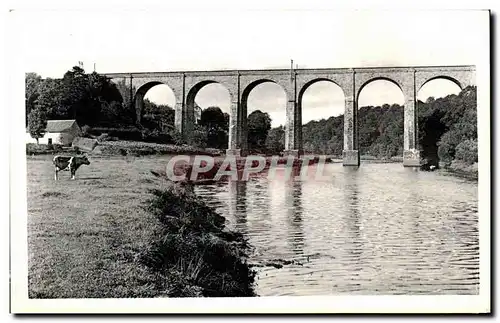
{"x": 293, "y": 202}
{"x": 238, "y": 204}
{"x": 353, "y": 244}
{"x": 377, "y": 229}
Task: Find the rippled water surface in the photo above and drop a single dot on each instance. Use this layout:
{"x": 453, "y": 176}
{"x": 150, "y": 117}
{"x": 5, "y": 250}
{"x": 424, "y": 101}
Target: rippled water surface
{"x": 377, "y": 229}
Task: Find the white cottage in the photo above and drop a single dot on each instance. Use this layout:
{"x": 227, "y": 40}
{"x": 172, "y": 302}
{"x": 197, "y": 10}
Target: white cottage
{"x": 60, "y": 132}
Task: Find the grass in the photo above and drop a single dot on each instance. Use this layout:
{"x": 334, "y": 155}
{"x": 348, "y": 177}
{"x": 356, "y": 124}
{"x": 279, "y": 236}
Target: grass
{"x": 92, "y": 237}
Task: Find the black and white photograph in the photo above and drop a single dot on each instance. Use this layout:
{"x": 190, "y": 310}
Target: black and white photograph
{"x": 232, "y": 160}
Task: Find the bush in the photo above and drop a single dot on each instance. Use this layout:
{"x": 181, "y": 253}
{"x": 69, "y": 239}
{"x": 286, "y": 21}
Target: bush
{"x": 86, "y": 131}
{"x": 146, "y": 148}
{"x": 125, "y": 133}
{"x": 177, "y": 138}
{"x": 156, "y": 136}
{"x": 106, "y": 137}
{"x": 195, "y": 255}
{"x": 41, "y": 149}
{"x": 466, "y": 151}
{"x": 447, "y": 145}
{"x": 198, "y": 137}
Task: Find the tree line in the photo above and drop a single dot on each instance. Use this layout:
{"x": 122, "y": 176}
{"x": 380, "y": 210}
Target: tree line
{"x": 99, "y": 106}
{"x": 447, "y": 130}
{"x": 90, "y": 99}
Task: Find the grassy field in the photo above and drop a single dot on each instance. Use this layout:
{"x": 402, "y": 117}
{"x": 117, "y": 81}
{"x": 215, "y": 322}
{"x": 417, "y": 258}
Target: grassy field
{"x": 85, "y": 235}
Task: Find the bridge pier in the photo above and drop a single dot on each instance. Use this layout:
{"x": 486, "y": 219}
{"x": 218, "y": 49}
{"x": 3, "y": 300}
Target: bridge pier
{"x": 411, "y": 155}
{"x": 179, "y": 118}
{"x": 237, "y": 130}
{"x": 350, "y": 154}
{"x": 293, "y": 129}
{"x": 411, "y": 158}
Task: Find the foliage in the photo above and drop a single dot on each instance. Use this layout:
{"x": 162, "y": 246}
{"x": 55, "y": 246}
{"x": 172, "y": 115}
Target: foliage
{"x": 216, "y": 124}
{"x": 86, "y": 129}
{"x": 195, "y": 254}
{"x": 137, "y": 148}
{"x": 50, "y": 98}
{"x": 177, "y": 137}
{"x": 106, "y": 137}
{"x": 275, "y": 141}
{"x": 197, "y": 137}
{"x": 158, "y": 117}
{"x": 89, "y": 98}
{"x": 127, "y": 110}
{"x": 33, "y": 82}
{"x": 37, "y": 123}
{"x": 211, "y": 131}
{"x": 44, "y": 149}
{"x": 443, "y": 124}
{"x": 213, "y": 117}
{"x": 156, "y": 136}
{"x": 324, "y": 136}
{"x": 259, "y": 123}
{"x": 466, "y": 151}
{"x": 446, "y": 146}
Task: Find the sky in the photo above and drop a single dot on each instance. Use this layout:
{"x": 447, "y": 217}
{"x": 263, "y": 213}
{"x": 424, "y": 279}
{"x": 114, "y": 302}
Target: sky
{"x": 51, "y": 42}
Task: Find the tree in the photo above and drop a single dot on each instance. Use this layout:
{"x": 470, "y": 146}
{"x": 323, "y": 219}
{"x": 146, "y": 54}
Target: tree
{"x": 37, "y": 123}
{"x": 216, "y": 124}
{"x": 275, "y": 142}
{"x": 50, "y": 99}
{"x": 89, "y": 98}
{"x": 160, "y": 117}
{"x": 198, "y": 137}
{"x": 128, "y": 108}
{"x": 213, "y": 118}
{"x": 259, "y": 123}
{"x": 444, "y": 124}
{"x": 466, "y": 151}
{"x": 32, "y": 92}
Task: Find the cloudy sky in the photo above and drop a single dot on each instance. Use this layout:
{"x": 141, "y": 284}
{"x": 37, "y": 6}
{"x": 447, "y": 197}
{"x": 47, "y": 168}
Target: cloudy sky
{"x": 51, "y": 42}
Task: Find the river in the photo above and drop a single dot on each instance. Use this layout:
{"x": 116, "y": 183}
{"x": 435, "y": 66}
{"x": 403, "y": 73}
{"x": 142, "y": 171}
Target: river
{"x": 376, "y": 229}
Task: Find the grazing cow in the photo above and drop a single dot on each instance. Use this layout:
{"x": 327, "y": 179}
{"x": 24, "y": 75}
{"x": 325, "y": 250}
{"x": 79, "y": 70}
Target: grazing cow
{"x": 69, "y": 163}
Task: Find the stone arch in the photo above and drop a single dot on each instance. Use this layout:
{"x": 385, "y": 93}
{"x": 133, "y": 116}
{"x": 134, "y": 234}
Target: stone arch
{"x": 244, "y": 107}
{"x": 406, "y": 95}
{"x": 189, "y": 116}
{"x": 285, "y": 81}
{"x": 193, "y": 91}
{"x": 380, "y": 78}
{"x": 461, "y": 76}
{"x": 246, "y": 91}
{"x": 139, "y": 94}
{"x": 313, "y": 81}
{"x": 301, "y": 91}
{"x": 442, "y": 77}
{"x": 439, "y": 86}
{"x": 191, "y": 94}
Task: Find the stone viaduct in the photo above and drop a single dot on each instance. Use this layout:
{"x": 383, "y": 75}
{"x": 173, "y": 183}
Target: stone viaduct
{"x": 294, "y": 82}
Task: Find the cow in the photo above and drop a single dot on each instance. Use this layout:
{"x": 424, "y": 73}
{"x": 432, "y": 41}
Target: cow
{"x": 71, "y": 163}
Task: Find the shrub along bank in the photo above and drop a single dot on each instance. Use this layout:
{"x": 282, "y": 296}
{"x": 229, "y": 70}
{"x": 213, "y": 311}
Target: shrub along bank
{"x": 123, "y": 148}
{"x": 194, "y": 255}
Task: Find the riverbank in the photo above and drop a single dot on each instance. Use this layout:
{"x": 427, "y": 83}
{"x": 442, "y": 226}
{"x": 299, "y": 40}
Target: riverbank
{"x": 117, "y": 231}
{"x": 461, "y": 169}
